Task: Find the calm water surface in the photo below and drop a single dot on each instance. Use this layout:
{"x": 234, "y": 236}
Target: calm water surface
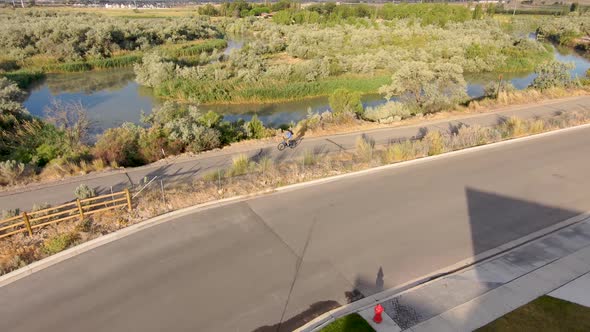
{"x": 112, "y": 97}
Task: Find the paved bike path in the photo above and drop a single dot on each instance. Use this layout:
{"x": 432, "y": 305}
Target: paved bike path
{"x": 184, "y": 169}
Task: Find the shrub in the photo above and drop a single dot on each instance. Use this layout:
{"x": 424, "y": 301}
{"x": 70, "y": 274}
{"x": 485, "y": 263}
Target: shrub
{"x": 492, "y": 88}
{"x": 9, "y": 213}
{"x": 553, "y": 75}
{"x": 343, "y": 101}
{"x": 204, "y": 139}
{"x": 468, "y": 136}
{"x": 265, "y": 164}
{"x": 255, "y": 128}
{"x": 309, "y": 158}
{"x": 513, "y": 127}
{"x": 537, "y": 126}
{"x": 387, "y": 113}
{"x": 153, "y": 70}
{"x": 428, "y": 87}
{"x": 398, "y": 152}
{"x": 120, "y": 145}
{"x": 155, "y": 144}
{"x": 83, "y": 191}
{"x": 240, "y": 165}
{"x": 364, "y": 148}
{"x": 58, "y": 243}
{"x": 11, "y": 171}
{"x": 435, "y": 143}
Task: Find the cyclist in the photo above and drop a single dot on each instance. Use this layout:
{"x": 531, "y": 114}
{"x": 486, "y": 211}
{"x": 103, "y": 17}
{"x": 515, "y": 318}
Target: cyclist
{"x": 288, "y": 136}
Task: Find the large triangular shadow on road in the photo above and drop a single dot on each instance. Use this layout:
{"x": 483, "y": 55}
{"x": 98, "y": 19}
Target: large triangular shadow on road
{"x": 489, "y": 212}
{"x": 494, "y": 220}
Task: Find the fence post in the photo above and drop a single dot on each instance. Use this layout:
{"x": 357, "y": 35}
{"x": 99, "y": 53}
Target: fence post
{"x": 129, "y": 208}
{"x": 80, "y": 209}
{"x": 27, "y": 223}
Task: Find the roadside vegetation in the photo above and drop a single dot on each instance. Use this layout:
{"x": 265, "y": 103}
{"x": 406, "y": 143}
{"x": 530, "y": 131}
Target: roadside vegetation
{"x": 349, "y": 323}
{"x": 252, "y": 175}
{"x": 543, "y": 314}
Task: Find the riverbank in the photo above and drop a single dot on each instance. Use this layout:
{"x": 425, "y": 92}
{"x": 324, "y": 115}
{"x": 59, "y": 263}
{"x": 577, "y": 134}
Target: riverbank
{"x": 516, "y": 99}
{"x": 35, "y": 69}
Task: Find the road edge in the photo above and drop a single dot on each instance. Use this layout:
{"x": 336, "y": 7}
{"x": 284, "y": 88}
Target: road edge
{"x": 105, "y": 239}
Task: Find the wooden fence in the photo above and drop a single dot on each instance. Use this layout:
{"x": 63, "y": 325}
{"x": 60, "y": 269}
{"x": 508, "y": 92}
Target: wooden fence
{"x": 80, "y": 208}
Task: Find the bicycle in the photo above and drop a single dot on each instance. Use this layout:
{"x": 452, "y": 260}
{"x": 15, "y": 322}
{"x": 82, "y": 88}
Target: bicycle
{"x": 292, "y": 144}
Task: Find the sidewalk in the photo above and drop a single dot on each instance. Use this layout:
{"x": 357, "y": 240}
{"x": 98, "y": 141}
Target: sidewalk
{"x": 185, "y": 169}
{"x": 558, "y": 265}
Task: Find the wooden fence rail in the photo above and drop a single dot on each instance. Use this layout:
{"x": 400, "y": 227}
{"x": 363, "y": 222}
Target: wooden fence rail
{"x": 80, "y": 208}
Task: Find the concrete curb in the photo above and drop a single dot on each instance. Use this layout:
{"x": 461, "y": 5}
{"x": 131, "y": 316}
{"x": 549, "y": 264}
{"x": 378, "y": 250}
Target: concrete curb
{"x": 180, "y": 159}
{"x": 87, "y": 246}
{"x": 368, "y": 302}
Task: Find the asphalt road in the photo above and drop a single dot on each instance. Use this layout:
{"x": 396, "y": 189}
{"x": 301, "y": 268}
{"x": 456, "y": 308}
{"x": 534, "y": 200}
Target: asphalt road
{"x": 185, "y": 169}
{"x": 232, "y": 268}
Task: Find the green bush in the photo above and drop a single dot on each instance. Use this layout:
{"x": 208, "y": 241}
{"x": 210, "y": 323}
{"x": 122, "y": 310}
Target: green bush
{"x": 83, "y": 191}
{"x": 58, "y": 243}
{"x": 153, "y": 70}
{"x": 120, "y": 145}
{"x": 387, "y": 113}
{"x": 155, "y": 144}
{"x": 204, "y": 139}
{"x": 344, "y": 101}
{"x": 427, "y": 87}
{"x": 553, "y": 74}
{"x": 255, "y": 128}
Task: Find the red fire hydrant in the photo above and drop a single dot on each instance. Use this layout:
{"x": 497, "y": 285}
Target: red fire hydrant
{"x": 378, "y": 311}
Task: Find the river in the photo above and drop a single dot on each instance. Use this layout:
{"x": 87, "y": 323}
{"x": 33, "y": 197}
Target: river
{"x": 113, "y": 97}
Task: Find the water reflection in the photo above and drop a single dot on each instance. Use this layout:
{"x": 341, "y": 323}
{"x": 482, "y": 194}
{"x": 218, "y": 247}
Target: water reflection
{"x": 112, "y": 97}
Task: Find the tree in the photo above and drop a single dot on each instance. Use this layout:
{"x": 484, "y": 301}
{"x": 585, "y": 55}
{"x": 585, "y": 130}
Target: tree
{"x": 344, "y": 101}
{"x": 427, "y": 87}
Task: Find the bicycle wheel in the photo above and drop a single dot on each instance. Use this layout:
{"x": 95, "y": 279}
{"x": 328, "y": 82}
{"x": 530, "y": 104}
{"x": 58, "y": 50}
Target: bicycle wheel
{"x": 281, "y": 146}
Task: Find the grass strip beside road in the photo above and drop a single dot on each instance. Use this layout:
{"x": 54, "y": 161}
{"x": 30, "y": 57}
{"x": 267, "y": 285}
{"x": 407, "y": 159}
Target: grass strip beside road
{"x": 350, "y": 323}
{"x": 543, "y": 314}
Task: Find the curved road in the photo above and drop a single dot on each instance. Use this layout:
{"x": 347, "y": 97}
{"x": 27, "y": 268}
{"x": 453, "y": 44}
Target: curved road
{"x": 184, "y": 169}
{"x": 287, "y": 256}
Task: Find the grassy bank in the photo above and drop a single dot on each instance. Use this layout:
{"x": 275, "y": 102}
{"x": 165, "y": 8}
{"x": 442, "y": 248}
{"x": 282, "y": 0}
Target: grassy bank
{"x": 246, "y": 176}
{"x": 350, "y": 323}
{"x": 234, "y": 91}
{"x": 547, "y": 314}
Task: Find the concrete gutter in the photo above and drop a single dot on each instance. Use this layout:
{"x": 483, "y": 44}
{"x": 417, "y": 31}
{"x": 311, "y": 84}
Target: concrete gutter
{"x": 120, "y": 234}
